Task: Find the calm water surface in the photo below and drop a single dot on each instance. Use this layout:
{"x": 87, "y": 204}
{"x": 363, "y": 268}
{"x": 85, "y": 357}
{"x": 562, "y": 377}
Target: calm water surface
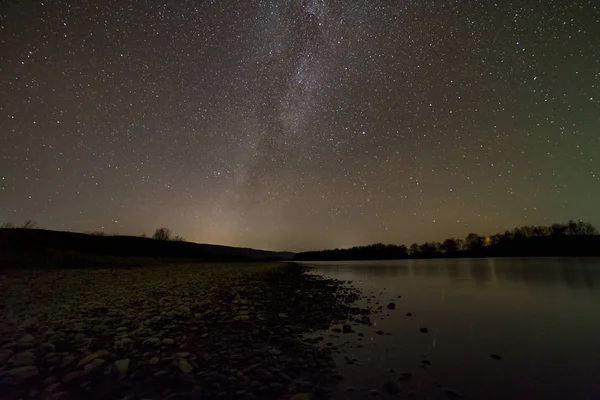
{"x": 541, "y": 316}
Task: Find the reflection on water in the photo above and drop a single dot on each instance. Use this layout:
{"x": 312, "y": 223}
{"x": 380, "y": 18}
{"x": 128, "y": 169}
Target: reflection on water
{"x": 540, "y": 314}
{"x": 578, "y": 273}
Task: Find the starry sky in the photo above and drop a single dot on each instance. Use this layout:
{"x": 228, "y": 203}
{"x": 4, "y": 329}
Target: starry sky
{"x": 299, "y": 124}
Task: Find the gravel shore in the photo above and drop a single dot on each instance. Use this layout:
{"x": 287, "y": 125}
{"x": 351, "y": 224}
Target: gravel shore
{"x": 169, "y": 332}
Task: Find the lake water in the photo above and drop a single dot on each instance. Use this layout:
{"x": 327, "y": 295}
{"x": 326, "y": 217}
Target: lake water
{"x": 541, "y": 316}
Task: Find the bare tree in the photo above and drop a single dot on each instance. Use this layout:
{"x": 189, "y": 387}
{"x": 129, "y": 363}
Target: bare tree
{"x": 29, "y": 224}
{"x": 162, "y": 234}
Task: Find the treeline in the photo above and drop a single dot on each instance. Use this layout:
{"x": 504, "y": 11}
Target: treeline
{"x": 159, "y": 234}
{"x": 570, "y": 239}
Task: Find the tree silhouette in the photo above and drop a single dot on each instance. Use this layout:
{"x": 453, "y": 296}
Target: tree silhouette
{"x": 29, "y": 224}
{"x": 162, "y": 234}
{"x": 473, "y": 241}
{"x": 449, "y": 246}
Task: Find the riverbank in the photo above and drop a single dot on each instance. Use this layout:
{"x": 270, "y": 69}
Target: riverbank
{"x": 173, "y": 331}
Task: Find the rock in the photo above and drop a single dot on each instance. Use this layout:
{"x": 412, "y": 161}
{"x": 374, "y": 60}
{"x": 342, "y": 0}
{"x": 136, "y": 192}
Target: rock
{"x": 347, "y": 329}
{"x": 5, "y": 354}
{"x": 185, "y": 366}
{"x": 168, "y": 342}
{"x": 91, "y": 357}
{"x": 391, "y": 306}
{"x": 282, "y": 315}
{"x": 405, "y": 376}
{"x": 98, "y": 362}
{"x": 26, "y": 341}
{"x": 153, "y": 340}
{"x": 409, "y": 314}
{"x": 88, "y": 368}
{"x": 391, "y": 387}
{"x": 302, "y": 396}
{"x": 72, "y": 377}
{"x": 380, "y": 332}
{"x": 374, "y": 393}
{"x": 154, "y": 360}
{"x": 21, "y": 374}
{"x": 121, "y": 366}
{"x": 22, "y": 359}
{"x": 47, "y": 347}
{"x": 452, "y": 394}
{"x": 495, "y": 357}
{"x": 424, "y": 330}
{"x": 30, "y": 323}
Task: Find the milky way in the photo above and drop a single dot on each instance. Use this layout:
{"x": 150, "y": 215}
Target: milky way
{"x": 299, "y": 125}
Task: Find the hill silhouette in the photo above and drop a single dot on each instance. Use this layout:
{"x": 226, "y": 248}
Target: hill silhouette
{"x": 57, "y": 248}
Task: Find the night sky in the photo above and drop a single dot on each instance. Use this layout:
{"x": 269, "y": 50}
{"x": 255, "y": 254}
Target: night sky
{"x": 296, "y": 125}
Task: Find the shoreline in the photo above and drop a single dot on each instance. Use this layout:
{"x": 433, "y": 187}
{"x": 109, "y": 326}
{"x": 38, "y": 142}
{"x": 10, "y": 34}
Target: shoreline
{"x": 176, "y": 332}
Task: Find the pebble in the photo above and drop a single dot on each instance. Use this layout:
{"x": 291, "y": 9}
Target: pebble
{"x": 22, "y": 359}
{"x": 121, "y": 366}
{"x": 154, "y": 360}
{"x": 21, "y": 374}
{"x": 27, "y": 340}
{"x": 495, "y": 357}
{"x": 47, "y": 347}
{"x": 409, "y": 314}
{"x": 184, "y": 366}
{"x": 424, "y": 330}
{"x": 30, "y": 323}
{"x": 5, "y": 354}
{"x": 452, "y": 394}
{"x": 168, "y": 342}
{"x": 391, "y": 387}
{"x": 72, "y": 376}
{"x": 391, "y": 306}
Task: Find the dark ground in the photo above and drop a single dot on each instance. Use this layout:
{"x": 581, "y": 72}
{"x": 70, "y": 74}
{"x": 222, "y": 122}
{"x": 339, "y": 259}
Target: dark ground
{"x": 169, "y": 332}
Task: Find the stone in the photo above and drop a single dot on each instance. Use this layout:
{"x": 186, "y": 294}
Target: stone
{"x": 98, "y": 362}
{"x": 391, "y": 306}
{"x": 47, "y": 347}
{"x": 5, "y": 354}
{"x": 21, "y": 374}
{"x": 424, "y": 330}
{"x": 495, "y": 357}
{"x": 122, "y": 366}
{"x": 380, "y": 332}
{"x": 153, "y": 340}
{"x": 409, "y": 314}
{"x": 72, "y": 377}
{"x": 22, "y": 359}
{"x": 88, "y": 368}
{"x": 185, "y": 366}
{"x": 26, "y": 341}
{"x": 30, "y": 323}
{"x": 374, "y": 393}
{"x": 91, "y": 357}
{"x": 302, "y": 396}
{"x": 154, "y": 360}
{"x": 452, "y": 394}
{"x": 168, "y": 342}
{"x": 391, "y": 387}
{"x": 347, "y": 329}
{"x": 405, "y": 376}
